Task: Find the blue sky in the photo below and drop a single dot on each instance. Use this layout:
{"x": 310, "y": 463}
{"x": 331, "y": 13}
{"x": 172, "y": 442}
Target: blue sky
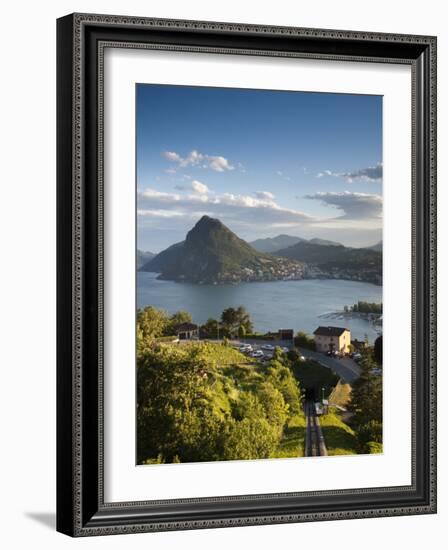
{"x": 264, "y": 162}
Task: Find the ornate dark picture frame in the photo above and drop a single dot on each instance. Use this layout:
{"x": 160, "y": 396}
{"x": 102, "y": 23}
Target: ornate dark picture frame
{"x": 81, "y": 509}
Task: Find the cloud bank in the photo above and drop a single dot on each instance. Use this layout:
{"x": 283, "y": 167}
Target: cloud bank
{"x": 244, "y": 210}
{"x": 369, "y": 174}
{"x": 354, "y": 206}
{"x": 216, "y": 163}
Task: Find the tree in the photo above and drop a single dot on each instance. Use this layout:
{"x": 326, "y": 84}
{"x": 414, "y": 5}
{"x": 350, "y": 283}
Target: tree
{"x": 233, "y": 319}
{"x": 249, "y": 434}
{"x": 151, "y": 324}
{"x": 370, "y": 431}
{"x": 378, "y": 350}
{"x": 276, "y": 410}
{"x": 302, "y": 340}
{"x": 210, "y": 329}
{"x": 249, "y": 439}
{"x": 367, "y": 393}
{"x": 177, "y": 319}
{"x": 282, "y": 378}
{"x": 175, "y": 416}
{"x": 241, "y": 331}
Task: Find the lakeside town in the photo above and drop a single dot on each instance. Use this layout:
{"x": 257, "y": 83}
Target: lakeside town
{"x": 213, "y": 254}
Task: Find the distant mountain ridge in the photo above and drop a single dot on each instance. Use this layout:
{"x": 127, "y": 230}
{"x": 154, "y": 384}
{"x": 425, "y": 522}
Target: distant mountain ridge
{"x": 273, "y": 244}
{"x": 143, "y": 257}
{"x": 212, "y": 253}
{"x": 336, "y": 261}
{"x": 378, "y": 246}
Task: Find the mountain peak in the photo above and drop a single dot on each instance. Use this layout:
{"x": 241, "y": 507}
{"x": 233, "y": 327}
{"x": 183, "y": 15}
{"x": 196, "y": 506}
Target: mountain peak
{"x": 212, "y": 253}
{"x": 208, "y": 221}
{"x": 209, "y": 232}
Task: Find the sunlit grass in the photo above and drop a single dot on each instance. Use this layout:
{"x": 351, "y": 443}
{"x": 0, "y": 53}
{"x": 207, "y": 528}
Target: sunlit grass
{"x": 340, "y": 439}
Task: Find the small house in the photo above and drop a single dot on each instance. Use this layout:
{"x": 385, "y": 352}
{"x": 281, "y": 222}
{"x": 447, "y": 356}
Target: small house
{"x": 187, "y": 331}
{"x": 286, "y": 334}
{"x": 332, "y": 339}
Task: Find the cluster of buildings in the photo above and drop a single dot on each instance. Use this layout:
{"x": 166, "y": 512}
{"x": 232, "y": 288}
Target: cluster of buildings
{"x": 327, "y": 339}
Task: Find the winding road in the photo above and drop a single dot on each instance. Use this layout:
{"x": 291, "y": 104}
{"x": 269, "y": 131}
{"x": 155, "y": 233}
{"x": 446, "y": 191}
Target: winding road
{"x": 346, "y": 368}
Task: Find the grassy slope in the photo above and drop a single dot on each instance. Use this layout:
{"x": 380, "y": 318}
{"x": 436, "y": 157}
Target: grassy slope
{"x": 339, "y": 437}
{"x": 341, "y": 394}
{"x": 218, "y": 354}
{"x": 293, "y": 441}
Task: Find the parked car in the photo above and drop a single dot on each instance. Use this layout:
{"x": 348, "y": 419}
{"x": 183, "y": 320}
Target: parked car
{"x": 257, "y": 354}
{"x": 268, "y": 347}
{"x": 357, "y": 357}
{"x": 246, "y": 348}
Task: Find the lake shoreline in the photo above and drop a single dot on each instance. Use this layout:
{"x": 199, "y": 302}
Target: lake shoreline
{"x": 236, "y": 283}
{"x": 271, "y": 306}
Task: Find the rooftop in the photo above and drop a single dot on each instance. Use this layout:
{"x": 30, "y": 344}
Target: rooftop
{"x": 330, "y": 331}
{"x": 186, "y": 327}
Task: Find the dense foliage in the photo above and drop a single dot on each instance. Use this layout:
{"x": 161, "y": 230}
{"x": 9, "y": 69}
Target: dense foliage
{"x": 155, "y": 323}
{"x": 378, "y": 350}
{"x": 206, "y": 401}
{"x": 366, "y": 404}
{"x": 365, "y": 307}
{"x": 302, "y": 340}
{"x": 236, "y": 321}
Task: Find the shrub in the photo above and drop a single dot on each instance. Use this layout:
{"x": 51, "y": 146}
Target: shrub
{"x": 370, "y": 431}
{"x": 372, "y": 447}
{"x": 302, "y": 340}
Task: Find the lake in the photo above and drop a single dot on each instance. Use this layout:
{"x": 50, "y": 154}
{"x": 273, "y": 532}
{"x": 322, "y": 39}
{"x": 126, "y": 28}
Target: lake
{"x": 299, "y": 305}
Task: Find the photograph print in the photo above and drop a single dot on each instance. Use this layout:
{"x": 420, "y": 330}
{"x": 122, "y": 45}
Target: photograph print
{"x": 259, "y": 274}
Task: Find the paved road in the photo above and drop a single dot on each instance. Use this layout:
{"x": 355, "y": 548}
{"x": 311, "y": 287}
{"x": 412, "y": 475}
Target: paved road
{"x": 314, "y": 440}
{"x": 346, "y": 368}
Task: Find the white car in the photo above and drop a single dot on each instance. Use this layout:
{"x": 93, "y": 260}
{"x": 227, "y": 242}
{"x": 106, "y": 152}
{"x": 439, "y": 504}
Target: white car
{"x": 268, "y": 347}
{"x": 246, "y": 348}
{"x": 257, "y": 353}
{"x": 285, "y": 350}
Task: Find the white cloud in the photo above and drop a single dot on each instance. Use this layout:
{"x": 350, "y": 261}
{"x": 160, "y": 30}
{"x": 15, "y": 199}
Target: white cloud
{"x": 354, "y": 206}
{"x": 266, "y": 195}
{"x": 241, "y": 209}
{"x": 219, "y": 164}
{"x": 368, "y": 174}
{"x": 195, "y": 185}
{"x": 199, "y": 187}
{"x": 195, "y": 158}
{"x": 172, "y": 156}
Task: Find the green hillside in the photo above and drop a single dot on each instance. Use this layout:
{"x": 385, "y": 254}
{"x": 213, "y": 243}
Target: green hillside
{"x": 337, "y": 261}
{"x": 206, "y": 401}
{"x": 212, "y": 253}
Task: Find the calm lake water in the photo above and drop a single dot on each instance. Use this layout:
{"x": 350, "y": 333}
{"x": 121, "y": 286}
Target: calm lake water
{"x": 273, "y": 305}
